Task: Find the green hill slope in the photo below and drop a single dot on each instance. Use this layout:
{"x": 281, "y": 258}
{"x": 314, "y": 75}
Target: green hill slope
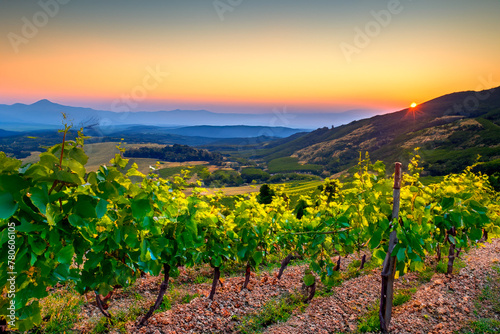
{"x": 451, "y": 131}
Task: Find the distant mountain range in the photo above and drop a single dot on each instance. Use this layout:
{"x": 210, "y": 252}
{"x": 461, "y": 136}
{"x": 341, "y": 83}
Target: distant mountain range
{"x": 46, "y": 114}
{"x": 451, "y": 130}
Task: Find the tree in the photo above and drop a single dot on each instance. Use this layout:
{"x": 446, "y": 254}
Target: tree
{"x": 266, "y": 194}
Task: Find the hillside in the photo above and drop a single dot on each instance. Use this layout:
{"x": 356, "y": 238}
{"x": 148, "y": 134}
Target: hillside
{"x": 451, "y": 131}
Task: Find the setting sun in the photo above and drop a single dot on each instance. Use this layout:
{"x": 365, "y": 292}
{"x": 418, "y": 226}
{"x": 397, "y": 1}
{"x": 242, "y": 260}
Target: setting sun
{"x": 413, "y": 105}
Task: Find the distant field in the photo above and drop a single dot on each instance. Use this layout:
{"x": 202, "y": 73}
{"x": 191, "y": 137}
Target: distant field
{"x": 101, "y": 153}
{"x": 301, "y": 187}
{"x": 32, "y": 158}
{"x": 289, "y": 164}
{"x": 229, "y": 191}
{"x": 173, "y": 170}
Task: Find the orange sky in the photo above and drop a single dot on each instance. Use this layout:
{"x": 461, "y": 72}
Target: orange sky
{"x": 260, "y": 56}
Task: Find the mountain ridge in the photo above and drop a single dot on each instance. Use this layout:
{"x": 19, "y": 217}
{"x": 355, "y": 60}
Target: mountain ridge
{"x": 50, "y": 113}
{"x": 434, "y": 124}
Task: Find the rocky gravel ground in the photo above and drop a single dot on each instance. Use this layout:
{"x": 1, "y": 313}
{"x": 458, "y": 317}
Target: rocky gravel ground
{"x": 441, "y": 305}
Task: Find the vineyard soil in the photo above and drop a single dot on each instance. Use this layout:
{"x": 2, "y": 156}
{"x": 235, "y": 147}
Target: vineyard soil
{"x": 441, "y": 305}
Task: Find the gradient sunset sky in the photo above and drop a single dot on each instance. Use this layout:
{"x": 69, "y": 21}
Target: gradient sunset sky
{"x": 251, "y": 56}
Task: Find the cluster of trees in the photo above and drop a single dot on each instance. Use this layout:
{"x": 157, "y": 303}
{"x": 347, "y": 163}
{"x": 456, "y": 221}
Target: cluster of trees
{"x": 221, "y": 178}
{"x": 176, "y": 152}
{"x": 248, "y": 175}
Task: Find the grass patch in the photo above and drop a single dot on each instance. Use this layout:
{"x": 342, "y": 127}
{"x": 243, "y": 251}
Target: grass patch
{"x": 200, "y": 279}
{"x": 369, "y": 322}
{"x": 458, "y": 264}
{"x": 484, "y": 326}
{"x": 124, "y": 316}
{"x": 425, "y": 275}
{"x": 119, "y": 320}
{"x": 187, "y": 298}
{"x": 403, "y": 296}
{"x": 274, "y": 311}
{"x": 61, "y": 309}
{"x": 169, "y": 299}
{"x": 172, "y": 297}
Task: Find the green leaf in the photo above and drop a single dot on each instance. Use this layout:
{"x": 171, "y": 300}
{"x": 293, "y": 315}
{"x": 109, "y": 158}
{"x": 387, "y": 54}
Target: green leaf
{"x": 452, "y": 239}
{"x": 481, "y": 209}
{"x": 140, "y": 208}
{"x": 315, "y": 266}
{"x": 38, "y": 246}
{"x": 29, "y": 317}
{"x": 76, "y": 221}
{"x": 65, "y": 255}
{"x": 8, "y": 164}
{"x": 85, "y": 207}
{"x": 475, "y": 234}
{"x": 379, "y": 254}
{"x": 7, "y": 206}
{"x": 27, "y": 227}
{"x": 257, "y": 256}
{"x": 40, "y": 198}
{"x": 62, "y": 272}
{"x": 216, "y": 261}
{"x": 447, "y": 202}
{"x": 401, "y": 254}
{"x": 242, "y": 251}
{"x": 309, "y": 279}
{"x": 376, "y": 237}
{"x": 102, "y": 207}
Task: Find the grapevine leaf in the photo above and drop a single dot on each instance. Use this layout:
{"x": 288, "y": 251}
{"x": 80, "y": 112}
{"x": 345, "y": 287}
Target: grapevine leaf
{"x": 481, "y": 209}
{"x": 27, "y": 227}
{"x": 447, "y": 202}
{"x": 401, "y": 254}
{"x": 7, "y": 206}
{"x": 257, "y": 256}
{"x": 216, "y": 261}
{"x": 309, "y": 279}
{"x": 242, "y": 251}
{"x": 62, "y": 272}
{"x": 65, "y": 255}
{"x": 376, "y": 237}
{"x": 40, "y": 198}
{"x": 476, "y": 234}
{"x": 8, "y": 164}
{"x": 102, "y": 207}
{"x": 85, "y": 207}
{"x": 140, "y": 208}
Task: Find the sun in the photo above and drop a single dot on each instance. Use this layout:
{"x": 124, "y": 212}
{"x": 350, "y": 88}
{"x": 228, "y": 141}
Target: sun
{"x": 413, "y": 105}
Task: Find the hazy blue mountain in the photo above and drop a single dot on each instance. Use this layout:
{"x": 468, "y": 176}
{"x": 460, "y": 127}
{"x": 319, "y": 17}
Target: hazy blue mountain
{"x": 234, "y": 131}
{"x": 4, "y": 133}
{"x": 47, "y": 114}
